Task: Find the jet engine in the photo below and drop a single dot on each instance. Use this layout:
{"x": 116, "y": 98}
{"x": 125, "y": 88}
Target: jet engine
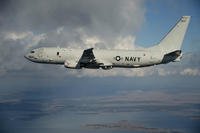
{"x": 71, "y": 64}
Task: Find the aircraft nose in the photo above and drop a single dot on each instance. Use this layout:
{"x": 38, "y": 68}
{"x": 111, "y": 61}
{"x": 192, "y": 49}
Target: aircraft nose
{"x": 29, "y": 56}
{"x": 26, "y": 56}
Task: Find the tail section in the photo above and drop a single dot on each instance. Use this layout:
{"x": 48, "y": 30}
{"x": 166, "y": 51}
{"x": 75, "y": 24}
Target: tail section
{"x": 174, "y": 39}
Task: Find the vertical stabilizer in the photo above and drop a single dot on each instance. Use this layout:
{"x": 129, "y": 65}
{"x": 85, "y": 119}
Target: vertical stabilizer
{"x": 174, "y": 39}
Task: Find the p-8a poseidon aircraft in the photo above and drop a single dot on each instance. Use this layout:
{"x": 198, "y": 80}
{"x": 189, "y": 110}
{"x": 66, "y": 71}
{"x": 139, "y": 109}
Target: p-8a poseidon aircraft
{"x": 167, "y": 50}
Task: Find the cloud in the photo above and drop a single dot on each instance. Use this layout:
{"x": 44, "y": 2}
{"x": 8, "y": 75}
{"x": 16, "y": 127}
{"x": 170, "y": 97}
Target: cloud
{"x": 16, "y": 36}
{"x": 136, "y": 72}
{"x": 65, "y": 23}
{"x": 13, "y": 47}
{"x": 99, "y": 17}
{"x": 190, "y": 72}
{"x": 166, "y": 72}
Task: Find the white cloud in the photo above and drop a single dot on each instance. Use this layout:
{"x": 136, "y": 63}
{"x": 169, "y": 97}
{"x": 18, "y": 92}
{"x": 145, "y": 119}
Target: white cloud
{"x": 190, "y": 72}
{"x": 59, "y": 30}
{"x": 35, "y": 40}
{"x": 125, "y": 43}
{"x": 132, "y": 72}
{"x": 166, "y": 71}
{"x": 75, "y": 24}
{"x": 16, "y": 35}
{"x": 28, "y": 39}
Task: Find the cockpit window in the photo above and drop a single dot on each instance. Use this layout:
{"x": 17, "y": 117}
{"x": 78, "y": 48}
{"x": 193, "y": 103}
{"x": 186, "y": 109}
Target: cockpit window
{"x": 32, "y": 51}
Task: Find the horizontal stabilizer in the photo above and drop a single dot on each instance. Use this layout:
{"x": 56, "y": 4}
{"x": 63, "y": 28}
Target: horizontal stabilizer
{"x": 171, "y": 56}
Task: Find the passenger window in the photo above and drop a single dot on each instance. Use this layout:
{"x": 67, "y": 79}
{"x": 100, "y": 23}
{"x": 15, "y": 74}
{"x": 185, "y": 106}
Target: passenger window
{"x": 32, "y": 51}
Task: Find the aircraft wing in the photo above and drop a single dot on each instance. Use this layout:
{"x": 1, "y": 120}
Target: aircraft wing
{"x": 88, "y": 60}
{"x": 87, "y": 56}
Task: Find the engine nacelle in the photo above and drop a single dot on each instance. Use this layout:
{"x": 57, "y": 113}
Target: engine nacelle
{"x": 71, "y": 64}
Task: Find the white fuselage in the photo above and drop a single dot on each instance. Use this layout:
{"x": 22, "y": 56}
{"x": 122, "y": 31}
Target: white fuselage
{"x": 113, "y": 58}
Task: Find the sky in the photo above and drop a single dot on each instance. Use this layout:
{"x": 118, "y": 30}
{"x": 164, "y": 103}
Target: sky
{"x": 101, "y": 24}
